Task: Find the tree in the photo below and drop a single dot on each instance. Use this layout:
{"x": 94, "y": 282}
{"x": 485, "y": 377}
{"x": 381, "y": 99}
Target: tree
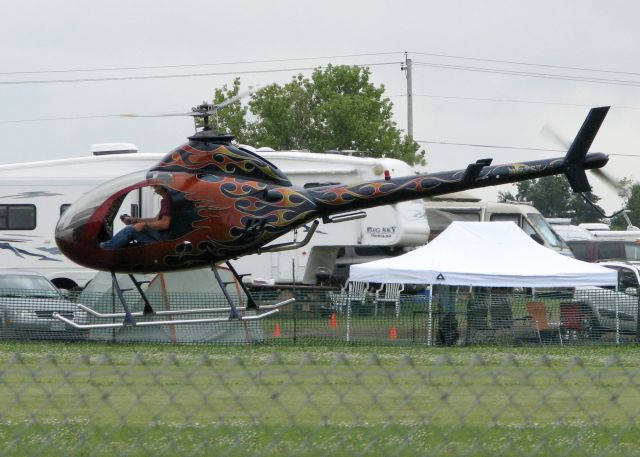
{"x": 233, "y": 118}
{"x": 553, "y": 197}
{"x": 585, "y": 212}
{"x": 338, "y": 108}
{"x": 629, "y": 191}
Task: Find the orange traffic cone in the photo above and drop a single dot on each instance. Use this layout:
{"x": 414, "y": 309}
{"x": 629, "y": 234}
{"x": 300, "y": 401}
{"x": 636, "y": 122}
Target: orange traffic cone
{"x": 393, "y": 333}
{"x": 333, "y": 321}
{"x": 277, "y": 332}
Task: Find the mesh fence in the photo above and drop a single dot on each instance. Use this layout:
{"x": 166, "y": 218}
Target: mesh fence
{"x": 307, "y": 406}
{"x": 451, "y": 316}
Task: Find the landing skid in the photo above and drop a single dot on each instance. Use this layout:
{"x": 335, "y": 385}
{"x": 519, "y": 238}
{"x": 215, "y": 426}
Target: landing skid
{"x": 128, "y": 317}
{"x": 167, "y": 322}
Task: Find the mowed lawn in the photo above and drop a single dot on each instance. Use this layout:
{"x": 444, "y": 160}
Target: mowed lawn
{"x": 143, "y": 399}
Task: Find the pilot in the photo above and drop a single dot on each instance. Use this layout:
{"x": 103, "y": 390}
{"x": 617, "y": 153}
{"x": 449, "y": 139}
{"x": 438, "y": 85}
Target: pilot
{"x": 144, "y": 230}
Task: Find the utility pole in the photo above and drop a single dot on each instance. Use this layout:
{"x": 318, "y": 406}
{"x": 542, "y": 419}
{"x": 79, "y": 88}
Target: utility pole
{"x": 407, "y": 67}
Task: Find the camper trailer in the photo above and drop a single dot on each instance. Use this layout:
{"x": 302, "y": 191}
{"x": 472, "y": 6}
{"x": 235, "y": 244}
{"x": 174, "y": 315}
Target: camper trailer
{"x": 594, "y": 230}
{"x": 34, "y": 195}
{"x": 569, "y": 232}
{"x": 442, "y": 211}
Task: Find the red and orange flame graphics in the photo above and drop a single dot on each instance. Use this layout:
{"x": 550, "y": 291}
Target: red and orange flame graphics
{"x": 221, "y": 160}
{"x": 234, "y": 215}
{"x": 378, "y": 190}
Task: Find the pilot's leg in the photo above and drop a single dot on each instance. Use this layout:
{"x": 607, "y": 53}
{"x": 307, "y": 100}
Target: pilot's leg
{"x": 146, "y": 236}
{"x": 120, "y": 239}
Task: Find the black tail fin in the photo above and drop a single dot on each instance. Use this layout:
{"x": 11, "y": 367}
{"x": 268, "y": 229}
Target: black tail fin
{"x": 574, "y": 169}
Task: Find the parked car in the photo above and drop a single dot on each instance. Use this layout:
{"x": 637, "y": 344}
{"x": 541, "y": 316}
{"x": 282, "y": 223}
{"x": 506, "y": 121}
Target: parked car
{"x": 28, "y": 301}
{"x": 612, "y": 309}
{"x": 597, "y": 250}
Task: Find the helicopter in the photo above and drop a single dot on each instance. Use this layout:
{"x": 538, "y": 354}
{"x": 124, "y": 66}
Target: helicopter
{"x": 227, "y": 201}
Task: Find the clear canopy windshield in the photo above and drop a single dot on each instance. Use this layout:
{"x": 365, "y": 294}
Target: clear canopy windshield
{"x": 83, "y": 208}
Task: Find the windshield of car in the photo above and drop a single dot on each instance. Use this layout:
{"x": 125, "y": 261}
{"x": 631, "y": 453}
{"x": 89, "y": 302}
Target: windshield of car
{"x": 543, "y": 229}
{"x": 27, "y": 285}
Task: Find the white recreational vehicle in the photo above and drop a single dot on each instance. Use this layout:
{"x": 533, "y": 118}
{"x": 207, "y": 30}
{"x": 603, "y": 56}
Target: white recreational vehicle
{"x": 33, "y": 195}
{"x": 594, "y": 230}
{"x": 442, "y": 211}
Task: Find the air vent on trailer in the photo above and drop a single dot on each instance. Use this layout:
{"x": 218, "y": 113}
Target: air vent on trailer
{"x": 113, "y": 148}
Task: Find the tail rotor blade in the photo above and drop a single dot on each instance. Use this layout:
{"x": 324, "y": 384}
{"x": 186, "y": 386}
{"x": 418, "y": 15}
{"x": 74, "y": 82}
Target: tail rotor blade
{"x": 607, "y": 179}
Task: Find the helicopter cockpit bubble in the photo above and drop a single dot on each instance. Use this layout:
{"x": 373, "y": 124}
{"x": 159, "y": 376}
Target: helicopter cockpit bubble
{"x": 80, "y": 213}
{"x": 92, "y": 216}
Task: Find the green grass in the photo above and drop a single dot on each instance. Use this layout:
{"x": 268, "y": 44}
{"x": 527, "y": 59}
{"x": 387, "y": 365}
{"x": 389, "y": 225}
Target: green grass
{"x": 107, "y": 399}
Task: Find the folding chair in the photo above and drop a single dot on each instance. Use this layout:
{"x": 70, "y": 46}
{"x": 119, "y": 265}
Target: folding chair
{"x": 538, "y": 314}
{"x": 357, "y": 292}
{"x": 574, "y": 321}
{"x": 388, "y": 293}
{"x": 337, "y": 301}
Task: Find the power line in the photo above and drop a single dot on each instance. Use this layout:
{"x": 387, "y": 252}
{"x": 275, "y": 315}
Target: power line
{"x": 532, "y": 74}
{"x": 513, "y": 62}
{"x": 298, "y": 59}
{"x": 191, "y": 65}
{"x": 519, "y": 148}
{"x": 187, "y": 75}
{"x": 511, "y": 100}
{"x": 492, "y": 146}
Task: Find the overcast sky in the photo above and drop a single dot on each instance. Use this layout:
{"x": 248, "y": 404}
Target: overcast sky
{"x": 470, "y": 81}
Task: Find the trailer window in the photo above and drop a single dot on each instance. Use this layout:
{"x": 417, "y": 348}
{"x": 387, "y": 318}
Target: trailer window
{"x": 17, "y": 217}
{"x": 610, "y": 251}
{"x": 580, "y": 250}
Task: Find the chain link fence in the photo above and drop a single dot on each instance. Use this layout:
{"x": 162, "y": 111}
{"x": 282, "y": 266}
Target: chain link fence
{"x": 308, "y": 406}
{"x": 449, "y": 317}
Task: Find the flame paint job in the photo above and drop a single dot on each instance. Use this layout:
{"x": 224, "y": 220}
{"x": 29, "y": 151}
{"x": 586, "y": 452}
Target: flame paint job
{"x": 228, "y": 202}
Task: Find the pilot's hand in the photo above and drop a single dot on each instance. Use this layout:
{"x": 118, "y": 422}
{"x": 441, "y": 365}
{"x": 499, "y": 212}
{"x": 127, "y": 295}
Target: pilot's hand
{"x": 126, "y": 219}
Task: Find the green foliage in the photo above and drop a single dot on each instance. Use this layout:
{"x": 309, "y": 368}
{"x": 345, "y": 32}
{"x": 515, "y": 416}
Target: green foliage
{"x": 630, "y": 192}
{"x": 583, "y": 211}
{"x": 553, "y": 197}
{"x": 338, "y": 108}
{"x": 231, "y": 119}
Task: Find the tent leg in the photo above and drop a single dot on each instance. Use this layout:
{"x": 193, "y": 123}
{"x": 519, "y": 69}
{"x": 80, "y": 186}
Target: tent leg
{"x": 430, "y": 323}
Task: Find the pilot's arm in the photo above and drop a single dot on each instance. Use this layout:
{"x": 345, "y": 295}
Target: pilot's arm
{"x": 153, "y": 224}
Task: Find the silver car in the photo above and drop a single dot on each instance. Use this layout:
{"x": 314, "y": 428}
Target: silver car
{"x": 28, "y": 301}
{"x": 614, "y": 309}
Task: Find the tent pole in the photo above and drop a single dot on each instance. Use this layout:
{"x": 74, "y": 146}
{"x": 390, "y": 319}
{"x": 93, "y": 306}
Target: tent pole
{"x": 430, "y": 324}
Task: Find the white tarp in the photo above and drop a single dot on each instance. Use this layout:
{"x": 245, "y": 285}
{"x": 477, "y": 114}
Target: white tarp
{"x": 485, "y": 254}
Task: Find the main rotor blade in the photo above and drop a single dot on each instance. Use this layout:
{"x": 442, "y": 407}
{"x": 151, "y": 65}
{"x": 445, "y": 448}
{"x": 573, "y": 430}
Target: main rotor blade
{"x": 152, "y": 115}
{"x": 206, "y": 109}
{"x": 235, "y": 98}
{"x": 556, "y": 137}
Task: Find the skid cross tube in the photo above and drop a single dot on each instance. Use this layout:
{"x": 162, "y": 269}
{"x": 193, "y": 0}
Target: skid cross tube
{"x": 148, "y": 309}
{"x": 235, "y": 314}
{"x": 128, "y": 318}
{"x": 178, "y": 312}
{"x": 251, "y": 304}
{"x": 168, "y": 322}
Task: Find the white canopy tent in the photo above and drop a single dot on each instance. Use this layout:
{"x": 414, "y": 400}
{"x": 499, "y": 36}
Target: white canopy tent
{"x": 484, "y": 254}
